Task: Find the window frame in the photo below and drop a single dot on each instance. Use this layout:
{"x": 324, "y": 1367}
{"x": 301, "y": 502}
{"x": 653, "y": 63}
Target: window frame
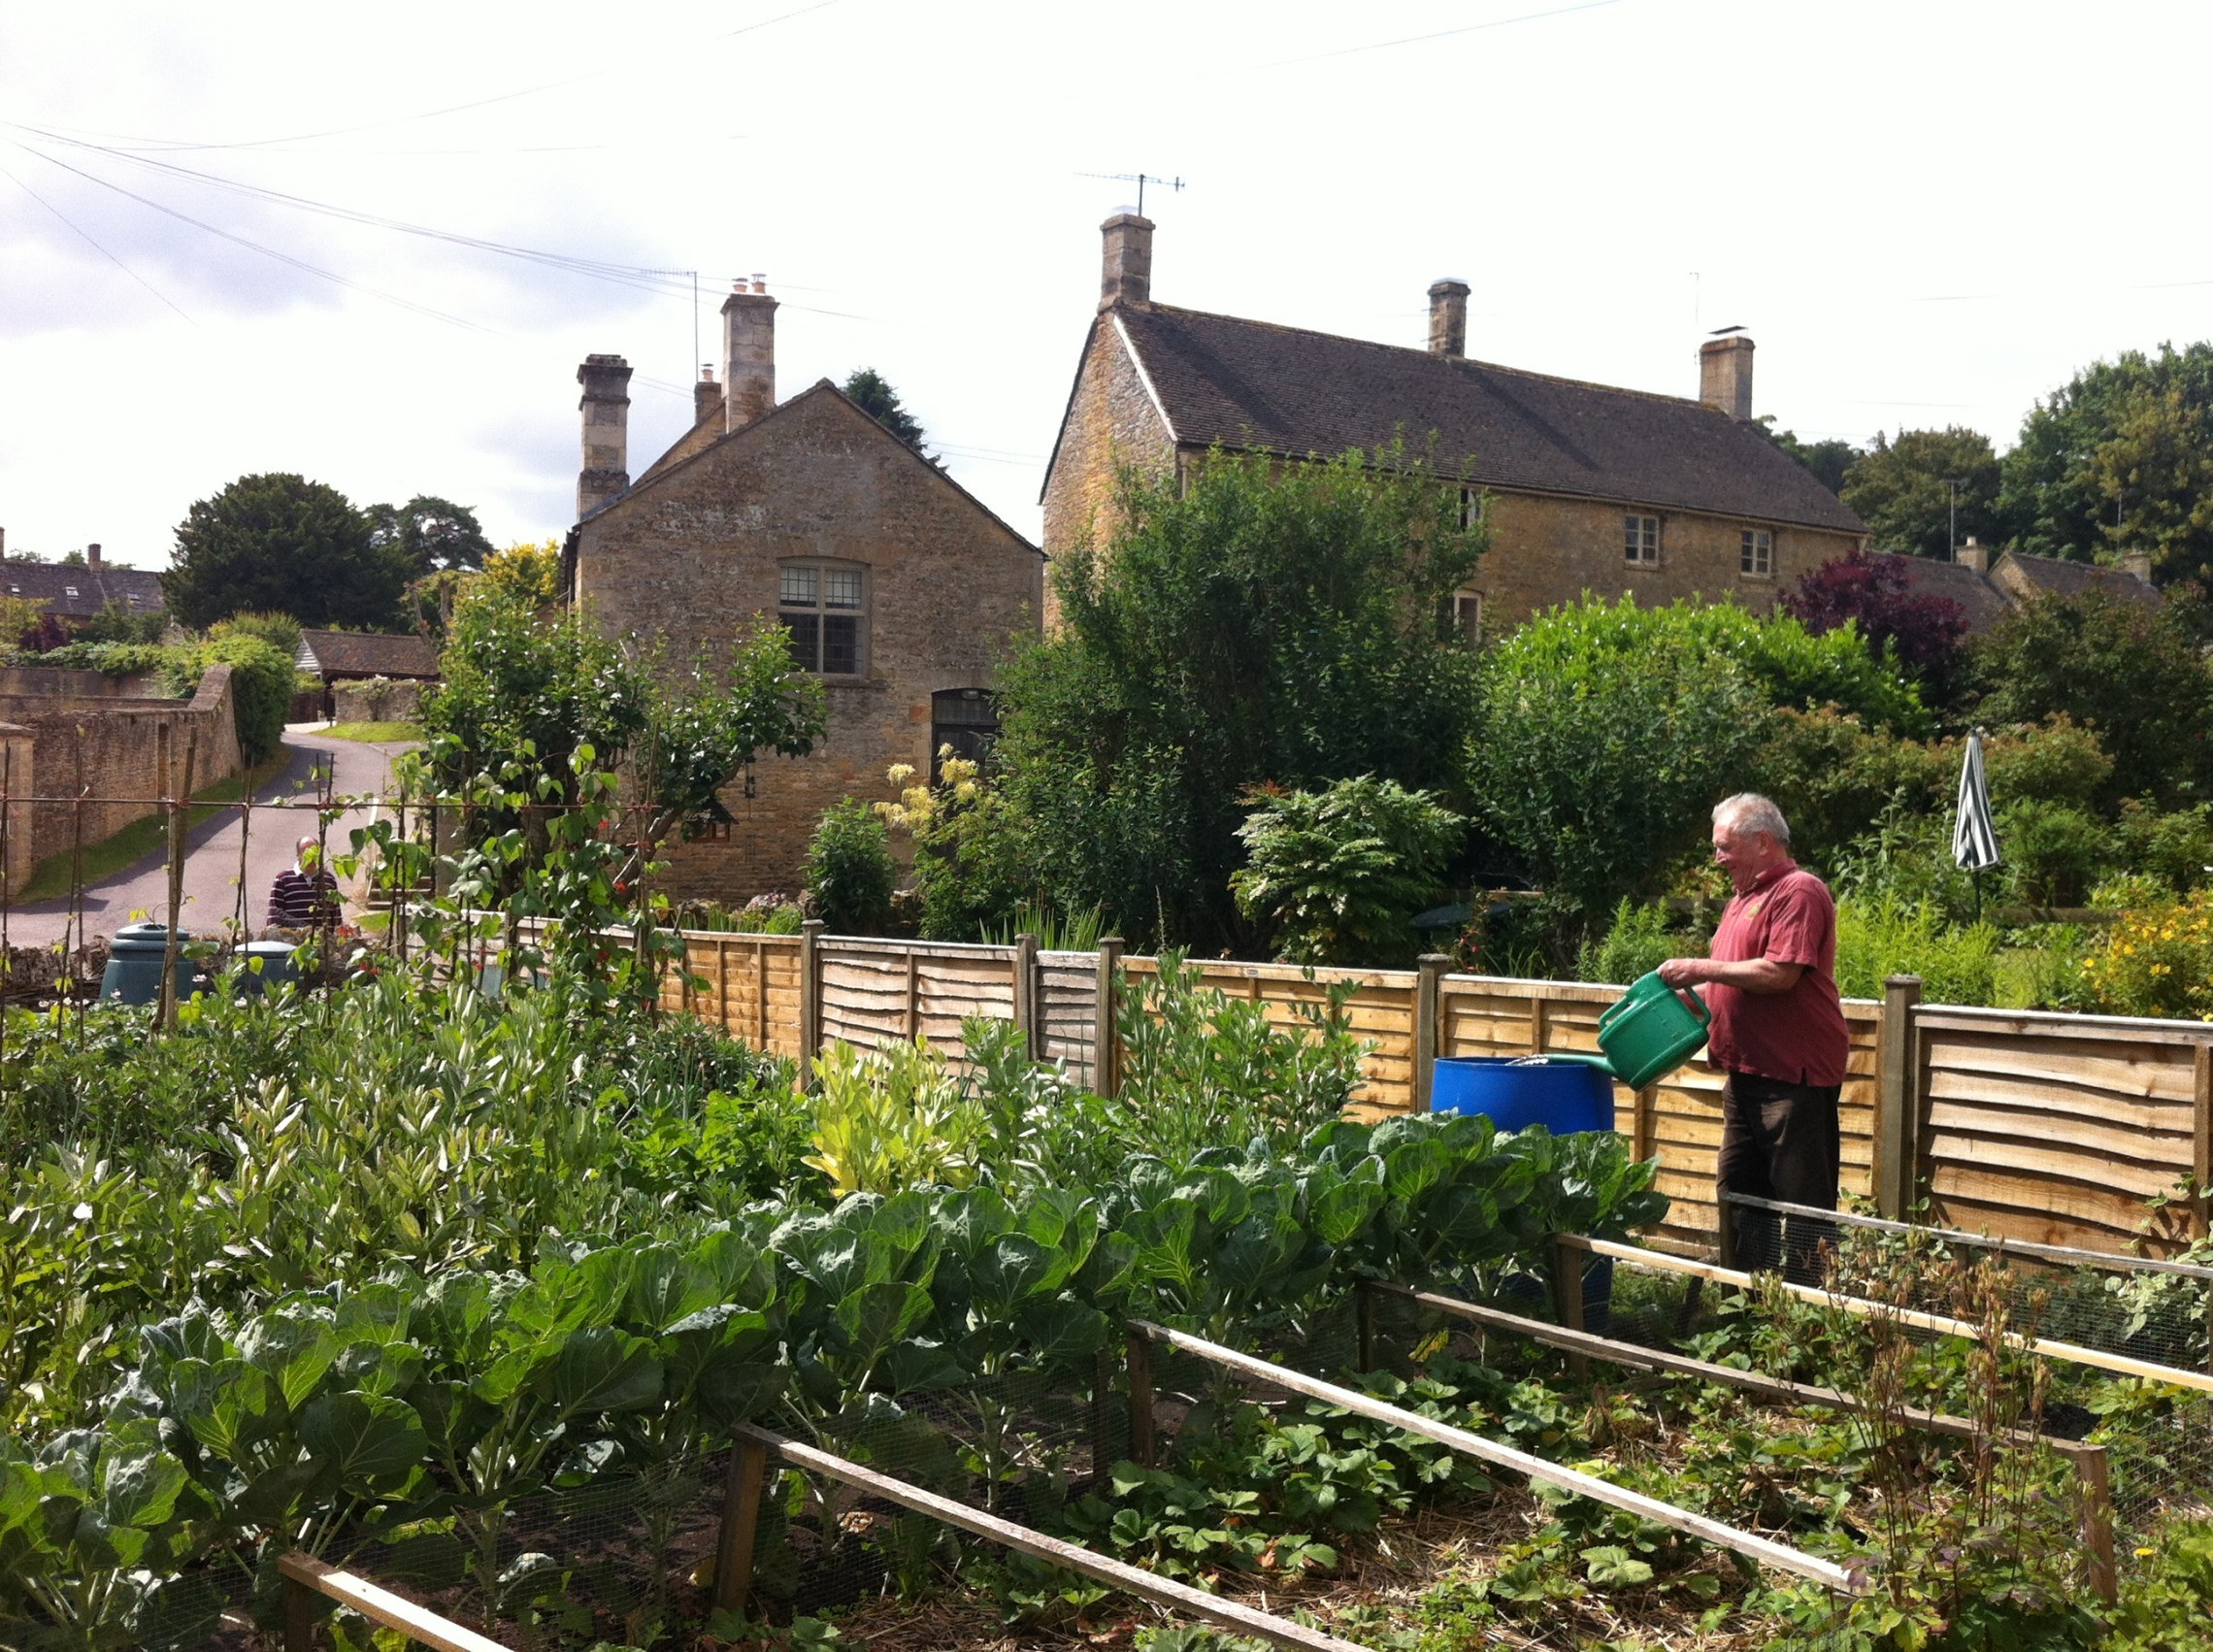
{"x": 1467, "y": 616}
{"x": 1641, "y": 539}
{"x": 1755, "y": 553}
{"x": 820, "y": 609}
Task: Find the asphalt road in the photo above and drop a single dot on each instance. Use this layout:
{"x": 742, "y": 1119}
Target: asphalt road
{"x": 140, "y": 892}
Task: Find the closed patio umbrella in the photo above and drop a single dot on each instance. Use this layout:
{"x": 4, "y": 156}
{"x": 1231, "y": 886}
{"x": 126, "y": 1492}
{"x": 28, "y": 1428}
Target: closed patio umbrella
{"x": 1974, "y": 834}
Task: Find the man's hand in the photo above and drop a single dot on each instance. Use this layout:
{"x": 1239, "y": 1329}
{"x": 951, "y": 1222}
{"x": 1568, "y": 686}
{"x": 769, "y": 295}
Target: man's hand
{"x": 1684, "y": 972}
{"x": 1753, "y": 975}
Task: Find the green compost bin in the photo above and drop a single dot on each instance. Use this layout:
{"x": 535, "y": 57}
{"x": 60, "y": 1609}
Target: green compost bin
{"x": 279, "y": 962}
{"x": 133, "y": 964}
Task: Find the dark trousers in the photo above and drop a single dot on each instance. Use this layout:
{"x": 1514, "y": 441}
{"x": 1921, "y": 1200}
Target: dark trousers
{"x": 1778, "y": 1140}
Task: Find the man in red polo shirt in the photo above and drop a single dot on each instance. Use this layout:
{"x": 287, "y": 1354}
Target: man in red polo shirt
{"x": 1778, "y": 1033}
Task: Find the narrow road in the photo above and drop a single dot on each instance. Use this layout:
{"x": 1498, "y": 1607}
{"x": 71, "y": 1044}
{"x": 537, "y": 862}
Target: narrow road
{"x": 140, "y": 892}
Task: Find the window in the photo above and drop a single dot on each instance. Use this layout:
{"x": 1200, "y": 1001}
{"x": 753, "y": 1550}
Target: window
{"x": 1471, "y": 507}
{"x": 71, "y": 589}
{"x": 967, "y": 719}
{"x": 1756, "y": 552}
{"x": 1467, "y": 616}
{"x": 823, "y": 605}
{"x": 1641, "y": 541}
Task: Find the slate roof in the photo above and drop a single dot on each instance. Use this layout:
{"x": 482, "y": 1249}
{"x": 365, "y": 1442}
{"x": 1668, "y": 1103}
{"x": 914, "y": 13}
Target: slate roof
{"x": 1983, "y": 604}
{"x": 80, "y": 593}
{"x": 1253, "y": 385}
{"x": 2058, "y": 578}
{"x": 334, "y": 654}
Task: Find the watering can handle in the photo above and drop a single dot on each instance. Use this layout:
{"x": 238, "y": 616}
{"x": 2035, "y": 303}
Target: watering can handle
{"x": 1690, "y": 1000}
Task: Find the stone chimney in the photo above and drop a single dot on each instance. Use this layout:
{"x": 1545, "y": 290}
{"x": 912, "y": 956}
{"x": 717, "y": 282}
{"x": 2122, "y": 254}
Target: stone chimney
{"x": 606, "y": 407}
{"x": 1725, "y": 374}
{"x": 2138, "y": 563}
{"x": 707, "y": 394}
{"x": 1126, "y": 275}
{"x": 1448, "y": 317}
{"x": 1973, "y": 554}
{"x": 748, "y": 353}
{"x": 92, "y": 557}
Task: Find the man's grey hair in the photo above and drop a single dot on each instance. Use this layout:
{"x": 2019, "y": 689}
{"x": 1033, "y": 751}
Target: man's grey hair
{"x": 1749, "y": 812}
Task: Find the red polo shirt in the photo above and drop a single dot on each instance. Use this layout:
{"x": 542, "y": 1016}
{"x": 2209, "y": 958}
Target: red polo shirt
{"x": 1799, "y": 1036}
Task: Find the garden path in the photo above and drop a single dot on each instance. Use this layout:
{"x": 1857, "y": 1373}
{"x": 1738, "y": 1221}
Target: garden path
{"x": 141, "y": 891}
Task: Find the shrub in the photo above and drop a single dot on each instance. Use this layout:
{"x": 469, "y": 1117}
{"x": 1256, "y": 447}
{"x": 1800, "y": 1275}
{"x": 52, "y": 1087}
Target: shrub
{"x": 851, "y": 873}
{"x": 1956, "y": 963}
{"x": 281, "y": 631}
{"x": 1338, "y": 871}
{"x": 1640, "y": 942}
{"x": 262, "y": 689}
{"x": 1833, "y": 776}
{"x": 2053, "y": 851}
{"x": 2158, "y": 959}
{"x": 1608, "y": 733}
{"x": 971, "y": 865}
{"x": 2177, "y": 849}
{"x": 2054, "y": 761}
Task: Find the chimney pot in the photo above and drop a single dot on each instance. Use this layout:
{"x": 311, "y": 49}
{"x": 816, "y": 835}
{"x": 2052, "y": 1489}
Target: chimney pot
{"x": 606, "y": 407}
{"x": 1725, "y": 374}
{"x": 1973, "y": 554}
{"x": 1448, "y": 317}
{"x": 748, "y": 354}
{"x": 1126, "y": 273}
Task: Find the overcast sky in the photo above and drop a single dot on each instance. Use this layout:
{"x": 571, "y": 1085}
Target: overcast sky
{"x": 1925, "y": 214}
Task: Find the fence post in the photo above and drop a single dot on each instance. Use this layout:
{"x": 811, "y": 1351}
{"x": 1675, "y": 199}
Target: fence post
{"x": 741, "y": 1526}
{"x": 2201, "y": 1143}
{"x": 1429, "y": 975}
{"x": 809, "y": 998}
{"x": 299, "y": 1615}
{"x": 2091, "y": 1471}
{"x": 179, "y": 817}
{"x": 1025, "y": 966}
{"x": 1567, "y": 1265}
{"x": 1105, "y": 1035}
{"x": 1142, "y": 1447}
{"x": 1364, "y": 1321}
{"x": 1895, "y": 1103}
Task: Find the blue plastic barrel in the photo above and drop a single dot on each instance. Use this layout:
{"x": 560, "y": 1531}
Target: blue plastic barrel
{"x": 1563, "y": 1096}
{"x": 279, "y": 962}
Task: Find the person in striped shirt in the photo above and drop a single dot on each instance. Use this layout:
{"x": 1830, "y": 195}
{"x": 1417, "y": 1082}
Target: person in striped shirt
{"x": 305, "y": 895}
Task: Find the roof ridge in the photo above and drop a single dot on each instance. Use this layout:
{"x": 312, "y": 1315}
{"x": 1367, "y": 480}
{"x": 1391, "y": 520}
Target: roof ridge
{"x": 1426, "y": 355}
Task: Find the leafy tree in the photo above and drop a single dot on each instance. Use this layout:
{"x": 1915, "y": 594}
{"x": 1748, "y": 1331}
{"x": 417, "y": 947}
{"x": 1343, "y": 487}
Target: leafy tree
{"x": 1918, "y": 631}
{"x": 1793, "y": 666}
{"x": 1830, "y": 461}
{"x": 280, "y": 542}
{"x": 429, "y": 534}
{"x": 2121, "y": 458}
{"x": 1266, "y": 623}
{"x": 1900, "y": 489}
{"x": 2127, "y": 673}
{"x": 1609, "y": 731}
{"x": 880, "y": 402}
{"x": 532, "y": 573}
{"x": 1338, "y": 871}
{"x": 21, "y": 622}
{"x": 118, "y": 623}
{"x": 851, "y": 874}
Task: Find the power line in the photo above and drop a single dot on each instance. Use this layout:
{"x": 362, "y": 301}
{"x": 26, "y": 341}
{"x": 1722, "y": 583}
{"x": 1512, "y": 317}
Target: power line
{"x": 1439, "y": 34}
{"x": 96, "y": 247}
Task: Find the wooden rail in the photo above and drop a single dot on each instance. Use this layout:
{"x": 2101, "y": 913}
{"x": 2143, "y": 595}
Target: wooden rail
{"x": 1766, "y": 1552}
{"x": 1163, "y": 1591}
{"x": 2151, "y": 1370}
{"x": 2089, "y": 1462}
{"x": 306, "y": 1577}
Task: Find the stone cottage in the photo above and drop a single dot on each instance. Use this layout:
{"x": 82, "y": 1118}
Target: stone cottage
{"x": 1588, "y": 487}
{"x": 901, "y": 591}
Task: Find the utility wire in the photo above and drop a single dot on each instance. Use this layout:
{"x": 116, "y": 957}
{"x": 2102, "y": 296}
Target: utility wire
{"x": 1437, "y": 34}
{"x": 95, "y": 246}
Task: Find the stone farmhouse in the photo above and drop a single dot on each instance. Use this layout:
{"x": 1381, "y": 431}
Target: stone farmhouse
{"x": 74, "y": 592}
{"x": 1587, "y": 487}
{"x": 901, "y": 591}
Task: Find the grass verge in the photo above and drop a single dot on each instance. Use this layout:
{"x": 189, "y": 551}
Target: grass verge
{"x": 374, "y": 734}
{"x": 50, "y": 878}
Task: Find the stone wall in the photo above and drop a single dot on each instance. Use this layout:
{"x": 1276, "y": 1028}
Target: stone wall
{"x": 127, "y": 752}
{"x": 1111, "y": 422}
{"x": 376, "y": 700}
{"x": 693, "y": 556}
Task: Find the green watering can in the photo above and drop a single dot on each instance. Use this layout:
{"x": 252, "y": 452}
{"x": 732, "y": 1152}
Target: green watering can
{"x": 1649, "y": 1031}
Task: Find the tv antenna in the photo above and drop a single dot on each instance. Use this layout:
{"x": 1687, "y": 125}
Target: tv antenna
{"x": 1140, "y": 179}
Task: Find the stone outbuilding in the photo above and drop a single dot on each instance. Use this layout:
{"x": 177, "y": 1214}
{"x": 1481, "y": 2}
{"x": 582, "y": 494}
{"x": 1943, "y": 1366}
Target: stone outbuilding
{"x": 1587, "y": 487}
{"x": 1987, "y": 587}
{"x": 902, "y": 592}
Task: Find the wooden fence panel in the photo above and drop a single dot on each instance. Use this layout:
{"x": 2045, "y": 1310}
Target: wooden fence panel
{"x": 1068, "y": 1012}
{"x": 745, "y": 984}
{"x": 1381, "y": 1010}
{"x": 2054, "y": 1128}
{"x": 873, "y": 990}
